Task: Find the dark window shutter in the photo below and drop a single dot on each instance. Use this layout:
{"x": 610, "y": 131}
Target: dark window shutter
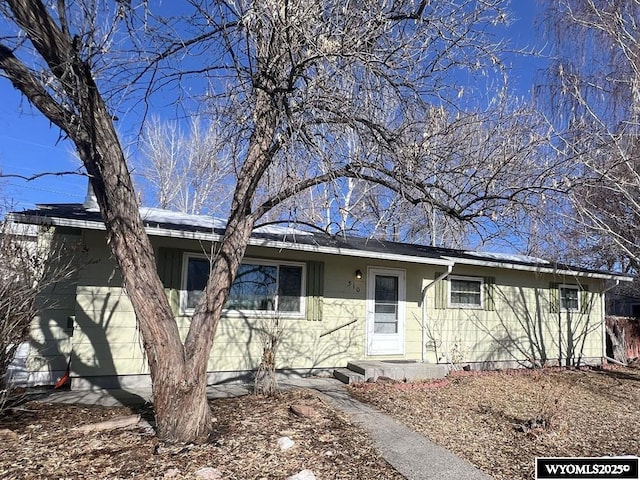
{"x": 489, "y": 292}
{"x": 315, "y": 290}
{"x": 554, "y": 298}
{"x": 440, "y": 292}
{"x": 169, "y": 262}
{"x": 586, "y": 299}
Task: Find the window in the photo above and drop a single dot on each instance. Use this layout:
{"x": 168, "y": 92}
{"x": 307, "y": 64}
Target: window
{"x": 569, "y": 297}
{"x": 260, "y": 286}
{"x": 386, "y": 304}
{"x": 465, "y": 292}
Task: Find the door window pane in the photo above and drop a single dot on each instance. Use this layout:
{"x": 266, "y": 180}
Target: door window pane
{"x": 386, "y": 304}
{"x": 386, "y": 289}
{"x": 385, "y": 327}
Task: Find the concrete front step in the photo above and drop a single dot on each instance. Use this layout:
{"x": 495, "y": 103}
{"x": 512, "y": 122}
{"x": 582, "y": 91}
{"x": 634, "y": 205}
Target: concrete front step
{"x": 397, "y": 370}
{"x": 348, "y": 376}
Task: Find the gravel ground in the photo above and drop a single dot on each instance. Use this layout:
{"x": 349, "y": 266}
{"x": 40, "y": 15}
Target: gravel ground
{"x": 502, "y": 421}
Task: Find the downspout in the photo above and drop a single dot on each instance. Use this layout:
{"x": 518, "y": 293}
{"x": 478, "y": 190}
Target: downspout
{"x": 424, "y": 309}
{"x": 604, "y": 327}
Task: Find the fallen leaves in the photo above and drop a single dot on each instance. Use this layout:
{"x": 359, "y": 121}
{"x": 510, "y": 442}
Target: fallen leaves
{"x": 584, "y": 413}
{"x": 244, "y": 446}
{"x": 119, "y": 422}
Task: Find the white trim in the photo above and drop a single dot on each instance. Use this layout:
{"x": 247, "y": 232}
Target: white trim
{"x": 212, "y": 237}
{"x": 479, "y": 280}
{"x": 569, "y": 286}
{"x": 184, "y": 310}
{"x": 532, "y": 268}
{"x": 385, "y": 343}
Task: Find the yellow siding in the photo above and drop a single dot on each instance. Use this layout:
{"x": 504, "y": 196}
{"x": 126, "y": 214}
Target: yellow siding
{"x": 521, "y": 328}
{"x": 106, "y": 338}
{"x": 107, "y": 342}
{"x": 50, "y": 341}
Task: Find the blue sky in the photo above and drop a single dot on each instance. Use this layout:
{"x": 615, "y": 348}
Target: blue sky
{"x": 29, "y": 145}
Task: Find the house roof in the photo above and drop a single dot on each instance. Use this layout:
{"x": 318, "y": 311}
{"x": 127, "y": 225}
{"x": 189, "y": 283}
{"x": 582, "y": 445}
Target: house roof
{"x": 165, "y": 223}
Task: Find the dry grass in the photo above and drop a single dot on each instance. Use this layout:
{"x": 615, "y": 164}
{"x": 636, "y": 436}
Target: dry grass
{"x": 44, "y": 445}
{"x": 501, "y": 421}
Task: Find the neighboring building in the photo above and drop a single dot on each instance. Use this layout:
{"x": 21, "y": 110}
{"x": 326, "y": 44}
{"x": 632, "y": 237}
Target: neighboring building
{"x": 337, "y": 299}
{"x": 624, "y": 301}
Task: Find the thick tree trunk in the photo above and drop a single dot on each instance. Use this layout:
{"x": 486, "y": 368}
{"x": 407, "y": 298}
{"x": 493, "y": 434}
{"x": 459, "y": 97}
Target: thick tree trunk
{"x": 90, "y": 126}
{"x": 240, "y": 224}
{"x": 179, "y": 381}
{"x": 181, "y": 408}
{"x": 182, "y": 411}
{"x": 178, "y": 371}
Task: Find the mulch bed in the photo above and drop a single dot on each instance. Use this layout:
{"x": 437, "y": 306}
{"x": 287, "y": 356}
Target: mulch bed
{"x": 39, "y": 441}
{"x": 502, "y": 421}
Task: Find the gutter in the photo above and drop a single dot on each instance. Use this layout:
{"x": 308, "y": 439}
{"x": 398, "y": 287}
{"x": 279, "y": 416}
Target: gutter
{"x": 444, "y": 260}
{"x": 539, "y": 269}
{"x": 604, "y": 327}
{"x": 424, "y": 308}
{"x": 214, "y": 237}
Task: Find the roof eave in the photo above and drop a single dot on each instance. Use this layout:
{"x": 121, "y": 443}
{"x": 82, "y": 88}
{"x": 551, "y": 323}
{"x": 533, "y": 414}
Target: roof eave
{"x": 542, "y": 269}
{"x": 261, "y": 242}
{"x": 214, "y": 237}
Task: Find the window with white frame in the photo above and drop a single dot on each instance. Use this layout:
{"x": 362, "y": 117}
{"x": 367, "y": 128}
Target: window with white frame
{"x": 569, "y": 297}
{"x": 465, "y": 292}
{"x": 260, "y": 286}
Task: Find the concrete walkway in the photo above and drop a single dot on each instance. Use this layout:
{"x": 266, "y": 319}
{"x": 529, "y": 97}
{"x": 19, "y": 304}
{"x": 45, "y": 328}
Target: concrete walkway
{"x": 410, "y": 453}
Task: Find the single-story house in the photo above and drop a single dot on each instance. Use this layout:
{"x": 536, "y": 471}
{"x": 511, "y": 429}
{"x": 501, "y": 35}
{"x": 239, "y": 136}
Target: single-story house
{"x": 336, "y": 299}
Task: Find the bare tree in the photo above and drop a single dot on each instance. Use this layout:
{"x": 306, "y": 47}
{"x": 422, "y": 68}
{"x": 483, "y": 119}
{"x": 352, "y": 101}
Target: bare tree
{"x": 594, "y": 92}
{"x": 187, "y": 171}
{"x": 454, "y": 176}
{"x": 58, "y": 75}
{"x": 27, "y": 269}
{"x": 290, "y": 83}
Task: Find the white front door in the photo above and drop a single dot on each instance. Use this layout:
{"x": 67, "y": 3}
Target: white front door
{"x": 385, "y": 311}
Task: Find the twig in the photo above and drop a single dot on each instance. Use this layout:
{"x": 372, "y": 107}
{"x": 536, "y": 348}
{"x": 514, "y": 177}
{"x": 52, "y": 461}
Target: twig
{"x": 43, "y": 174}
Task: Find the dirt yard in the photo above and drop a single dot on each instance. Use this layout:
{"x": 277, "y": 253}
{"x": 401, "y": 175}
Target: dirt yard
{"x": 498, "y": 421}
{"x": 501, "y": 421}
{"x": 40, "y": 441}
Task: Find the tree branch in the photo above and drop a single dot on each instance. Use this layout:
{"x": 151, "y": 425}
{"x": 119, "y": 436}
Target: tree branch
{"x": 43, "y": 174}
{"x": 23, "y": 80}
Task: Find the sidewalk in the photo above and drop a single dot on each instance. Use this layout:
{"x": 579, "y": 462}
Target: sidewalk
{"x": 410, "y": 453}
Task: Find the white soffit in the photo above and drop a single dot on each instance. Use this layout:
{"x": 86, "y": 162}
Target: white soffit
{"x": 496, "y": 260}
{"x": 259, "y": 242}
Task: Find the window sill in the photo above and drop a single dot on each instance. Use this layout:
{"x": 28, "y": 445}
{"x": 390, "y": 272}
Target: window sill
{"x": 250, "y": 314}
